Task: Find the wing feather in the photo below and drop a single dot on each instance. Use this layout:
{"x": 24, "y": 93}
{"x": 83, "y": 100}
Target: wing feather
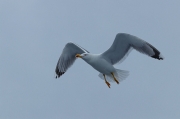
{"x": 122, "y": 46}
{"x": 67, "y": 57}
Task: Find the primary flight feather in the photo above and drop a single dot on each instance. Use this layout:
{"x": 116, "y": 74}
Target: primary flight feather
{"x": 104, "y": 62}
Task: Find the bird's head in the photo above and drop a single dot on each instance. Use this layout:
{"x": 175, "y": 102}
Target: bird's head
{"x": 83, "y": 55}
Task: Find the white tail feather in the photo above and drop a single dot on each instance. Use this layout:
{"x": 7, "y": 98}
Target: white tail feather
{"x": 119, "y": 74}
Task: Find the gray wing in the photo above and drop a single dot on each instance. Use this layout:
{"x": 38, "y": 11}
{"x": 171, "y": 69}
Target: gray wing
{"x": 67, "y": 58}
{"x": 124, "y": 43}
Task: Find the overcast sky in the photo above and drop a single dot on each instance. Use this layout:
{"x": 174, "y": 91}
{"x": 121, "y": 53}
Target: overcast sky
{"x": 33, "y": 34}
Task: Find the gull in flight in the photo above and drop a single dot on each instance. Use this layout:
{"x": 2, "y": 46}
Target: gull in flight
{"x": 104, "y": 62}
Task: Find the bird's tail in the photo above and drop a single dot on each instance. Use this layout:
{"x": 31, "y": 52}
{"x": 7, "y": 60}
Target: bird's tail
{"x": 120, "y": 75}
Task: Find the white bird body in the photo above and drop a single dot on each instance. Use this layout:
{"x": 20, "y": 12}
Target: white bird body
{"x": 104, "y": 62}
{"x": 100, "y": 64}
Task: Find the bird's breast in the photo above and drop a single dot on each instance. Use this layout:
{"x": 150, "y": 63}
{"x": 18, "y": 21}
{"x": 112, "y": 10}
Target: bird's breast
{"x": 101, "y": 65}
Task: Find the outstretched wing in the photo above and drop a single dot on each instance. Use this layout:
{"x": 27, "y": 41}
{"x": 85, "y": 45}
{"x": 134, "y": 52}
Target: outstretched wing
{"x": 122, "y": 46}
{"x": 67, "y": 58}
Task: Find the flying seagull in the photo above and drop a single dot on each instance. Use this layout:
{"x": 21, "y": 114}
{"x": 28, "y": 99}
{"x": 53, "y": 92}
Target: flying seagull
{"x": 104, "y": 62}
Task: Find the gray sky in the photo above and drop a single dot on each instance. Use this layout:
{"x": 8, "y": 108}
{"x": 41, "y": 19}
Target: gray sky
{"x": 33, "y": 34}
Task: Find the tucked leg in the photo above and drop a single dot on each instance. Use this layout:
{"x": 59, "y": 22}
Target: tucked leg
{"x": 115, "y": 78}
{"x": 108, "y": 84}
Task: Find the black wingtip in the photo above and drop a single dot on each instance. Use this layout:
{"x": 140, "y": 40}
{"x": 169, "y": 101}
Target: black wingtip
{"x": 58, "y": 73}
{"x": 157, "y": 57}
{"x": 157, "y": 54}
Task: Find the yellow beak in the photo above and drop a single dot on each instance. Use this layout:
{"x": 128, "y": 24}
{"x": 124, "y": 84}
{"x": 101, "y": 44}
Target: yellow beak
{"x": 78, "y": 55}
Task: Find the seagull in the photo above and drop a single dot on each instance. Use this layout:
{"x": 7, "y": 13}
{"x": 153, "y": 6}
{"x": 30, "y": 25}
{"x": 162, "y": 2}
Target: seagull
{"x": 103, "y": 63}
